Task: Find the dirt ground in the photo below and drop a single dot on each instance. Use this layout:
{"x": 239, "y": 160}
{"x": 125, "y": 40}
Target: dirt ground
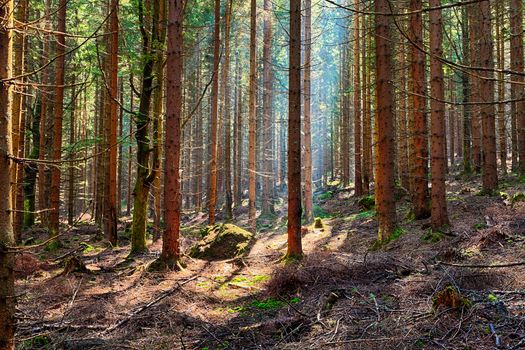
{"x": 343, "y": 295}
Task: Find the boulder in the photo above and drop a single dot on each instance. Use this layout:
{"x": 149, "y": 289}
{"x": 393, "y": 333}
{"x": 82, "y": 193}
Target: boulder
{"x": 221, "y": 241}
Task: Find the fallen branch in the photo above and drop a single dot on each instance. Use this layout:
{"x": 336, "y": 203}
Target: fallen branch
{"x": 162, "y": 296}
{"x": 483, "y": 266}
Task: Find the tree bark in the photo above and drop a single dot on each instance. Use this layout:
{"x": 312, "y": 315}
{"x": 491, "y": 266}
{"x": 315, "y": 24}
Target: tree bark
{"x": 294, "y": 134}
{"x": 419, "y": 161}
{"x": 7, "y": 280}
{"x": 252, "y": 124}
{"x": 54, "y": 214}
{"x": 358, "y": 179}
{"x": 308, "y": 190}
{"x": 439, "y": 216}
{"x": 172, "y": 195}
{"x": 214, "y": 114}
{"x": 517, "y": 65}
{"x": 385, "y": 124}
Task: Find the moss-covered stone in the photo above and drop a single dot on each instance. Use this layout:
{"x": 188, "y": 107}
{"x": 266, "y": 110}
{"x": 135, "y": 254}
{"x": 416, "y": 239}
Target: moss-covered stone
{"x": 367, "y": 202}
{"x": 222, "y": 241}
{"x": 318, "y": 223}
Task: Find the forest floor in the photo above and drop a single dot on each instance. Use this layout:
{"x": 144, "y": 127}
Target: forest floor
{"x": 343, "y": 295}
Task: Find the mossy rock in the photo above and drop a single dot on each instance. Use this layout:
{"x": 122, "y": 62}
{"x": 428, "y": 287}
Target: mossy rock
{"x": 318, "y": 223}
{"x": 222, "y": 241}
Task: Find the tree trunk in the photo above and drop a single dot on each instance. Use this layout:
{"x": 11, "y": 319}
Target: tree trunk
{"x": 71, "y": 170}
{"x": 419, "y": 161}
{"x": 465, "y": 81}
{"x": 487, "y": 115}
{"x": 294, "y": 134}
{"x": 18, "y": 115}
{"x": 252, "y": 210}
{"x": 145, "y": 175}
{"x": 358, "y": 180}
{"x": 502, "y": 133}
{"x": 7, "y": 280}
{"x": 517, "y": 65}
{"x": 439, "y": 216}
{"x": 172, "y": 195}
{"x": 227, "y": 116}
{"x": 308, "y": 190}
{"x": 110, "y": 207}
{"x": 214, "y": 114}
{"x": 385, "y": 124}
{"x": 54, "y": 214}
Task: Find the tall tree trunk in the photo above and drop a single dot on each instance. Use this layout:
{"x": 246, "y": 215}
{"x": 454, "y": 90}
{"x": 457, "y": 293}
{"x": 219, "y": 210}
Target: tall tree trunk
{"x": 237, "y": 165}
{"x": 419, "y": 161}
{"x": 358, "y": 180}
{"x": 385, "y": 123}
{"x": 465, "y": 81}
{"x": 110, "y": 206}
{"x": 7, "y": 278}
{"x": 439, "y": 216}
{"x": 517, "y": 65}
{"x": 367, "y": 135}
{"x": 403, "y": 132}
{"x": 54, "y": 215}
{"x": 452, "y": 123}
{"x": 502, "y": 133}
{"x": 18, "y": 115}
{"x": 252, "y": 210}
{"x": 145, "y": 175}
{"x": 308, "y": 190}
{"x": 130, "y": 151}
{"x": 475, "y": 87}
{"x": 214, "y": 114}
{"x": 158, "y": 101}
{"x": 170, "y": 255}
{"x": 267, "y": 200}
{"x": 71, "y": 170}
{"x": 227, "y": 115}
{"x": 487, "y": 115}
{"x": 294, "y": 134}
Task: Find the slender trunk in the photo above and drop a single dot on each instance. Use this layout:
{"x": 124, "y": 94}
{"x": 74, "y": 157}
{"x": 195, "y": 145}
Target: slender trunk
{"x": 419, "y": 161}
{"x": 475, "y": 84}
{"x": 214, "y": 114}
{"x": 357, "y": 108}
{"x": 54, "y": 214}
{"x": 172, "y": 195}
{"x": 517, "y": 65}
{"x": 267, "y": 156}
{"x": 439, "y": 217}
{"x": 403, "y": 132}
{"x": 18, "y": 115}
{"x": 465, "y": 81}
{"x": 237, "y": 166}
{"x": 227, "y": 116}
{"x": 308, "y": 190}
{"x": 384, "y": 124}
{"x": 110, "y": 206}
{"x": 71, "y": 170}
{"x": 502, "y": 133}
{"x": 294, "y": 134}
{"x": 252, "y": 211}
{"x": 7, "y": 280}
{"x": 488, "y": 113}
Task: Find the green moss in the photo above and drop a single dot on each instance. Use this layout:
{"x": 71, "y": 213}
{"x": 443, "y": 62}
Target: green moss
{"x": 492, "y": 298}
{"x": 270, "y": 303}
{"x": 325, "y": 195}
{"x": 53, "y": 246}
{"x": 318, "y": 223}
{"x": 480, "y": 226}
{"x": 432, "y": 236}
{"x": 518, "y": 197}
{"x": 378, "y": 244}
{"x": 87, "y": 248}
{"x": 367, "y": 202}
{"x": 321, "y": 213}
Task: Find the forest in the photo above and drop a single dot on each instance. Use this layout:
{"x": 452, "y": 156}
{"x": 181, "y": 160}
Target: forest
{"x": 262, "y": 174}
